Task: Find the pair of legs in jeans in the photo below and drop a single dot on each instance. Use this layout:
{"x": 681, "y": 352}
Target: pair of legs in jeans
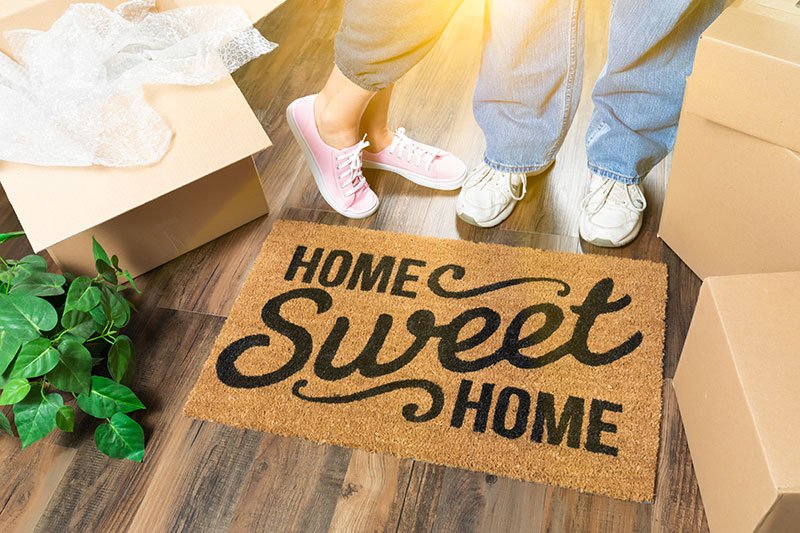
{"x": 527, "y": 93}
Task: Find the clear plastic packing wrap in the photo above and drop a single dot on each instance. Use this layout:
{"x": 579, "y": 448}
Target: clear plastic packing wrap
{"x": 74, "y": 96}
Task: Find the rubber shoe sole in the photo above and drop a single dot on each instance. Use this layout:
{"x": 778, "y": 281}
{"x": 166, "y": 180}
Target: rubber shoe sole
{"x": 418, "y": 178}
{"x": 499, "y": 219}
{"x": 605, "y": 243}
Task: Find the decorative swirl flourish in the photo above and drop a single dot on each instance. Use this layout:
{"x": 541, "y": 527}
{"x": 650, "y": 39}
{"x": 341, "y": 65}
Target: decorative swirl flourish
{"x": 459, "y": 271}
{"x": 410, "y": 411}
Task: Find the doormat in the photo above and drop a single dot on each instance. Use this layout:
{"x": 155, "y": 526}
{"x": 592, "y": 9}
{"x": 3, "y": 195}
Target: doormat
{"x": 519, "y": 362}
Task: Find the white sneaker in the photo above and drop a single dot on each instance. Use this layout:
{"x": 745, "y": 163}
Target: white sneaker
{"x": 488, "y": 196}
{"x": 611, "y": 213}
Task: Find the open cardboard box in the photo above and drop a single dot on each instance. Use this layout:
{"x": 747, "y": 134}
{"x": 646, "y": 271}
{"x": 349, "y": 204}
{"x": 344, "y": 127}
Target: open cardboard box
{"x": 205, "y": 186}
{"x": 738, "y": 388}
{"x": 734, "y": 188}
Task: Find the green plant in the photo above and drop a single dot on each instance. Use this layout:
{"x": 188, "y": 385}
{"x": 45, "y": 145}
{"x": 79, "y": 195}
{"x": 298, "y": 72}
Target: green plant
{"x": 58, "y": 336}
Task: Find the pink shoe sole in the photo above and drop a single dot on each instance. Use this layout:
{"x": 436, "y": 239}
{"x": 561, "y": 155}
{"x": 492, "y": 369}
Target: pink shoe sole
{"x": 419, "y": 179}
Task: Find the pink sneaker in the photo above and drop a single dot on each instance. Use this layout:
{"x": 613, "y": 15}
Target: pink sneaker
{"x": 337, "y": 172}
{"x": 424, "y": 165}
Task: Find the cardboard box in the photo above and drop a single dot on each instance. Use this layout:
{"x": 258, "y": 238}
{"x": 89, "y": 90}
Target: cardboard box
{"x": 205, "y": 186}
{"x": 768, "y": 8}
{"x": 738, "y": 388}
{"x": 733, "y": 198}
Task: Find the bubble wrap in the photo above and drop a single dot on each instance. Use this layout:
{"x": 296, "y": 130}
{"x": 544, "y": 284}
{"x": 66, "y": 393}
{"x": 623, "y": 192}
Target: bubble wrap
{"x": 74, "y": 97}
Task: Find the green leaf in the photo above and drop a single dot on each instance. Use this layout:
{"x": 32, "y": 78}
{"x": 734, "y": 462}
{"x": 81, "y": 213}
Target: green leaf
{"x": 5, "y": 377}
{"x": 27, "y": 266}
{"x": 35, "y": 416}
{"x": 113, "y": 308}
{"x": 31, "y": 273}
{"x": 108, "y": 397}
{"x": 38, "y": 284}
{"x": 73, "y": 372}
{"x": 32, "y": 263}
{"x": 9, "y": 346}
{"x": 5, "y": 425}
{"x": 115, "y": 263}
{"x": 133, "y": 283}
{"x": 119, "y": 357}
{"x": 103, "y": 264}
{"x": 121, "y": 438}
{"x": 36, "y": 358}
{"x": 13, "y": 235}
{"x": 7, "y": 274}
{"x": 118, "y": 306}
{"x": 107, "y": 272}
{"x": 82, "y": 295}
{"x": 99, "y": 253}
{"x": 78, "y": 324}
{"x": 101, "y": 315}
{"x": 14, "y": 391}
{"x": 24, "y": 317}
{"x": 65, "y": 336}
{"x": 65, "y": 418}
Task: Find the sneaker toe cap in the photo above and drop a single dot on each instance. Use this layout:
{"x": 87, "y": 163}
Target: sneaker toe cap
{"x": 609, "y": 227}
{"x": 364, "y": 204}
{"x": 477, "y": 206}
{"x": 450, "y": 168}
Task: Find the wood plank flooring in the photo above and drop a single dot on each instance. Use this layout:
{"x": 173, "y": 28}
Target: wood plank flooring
{"x": 199, "y": 476}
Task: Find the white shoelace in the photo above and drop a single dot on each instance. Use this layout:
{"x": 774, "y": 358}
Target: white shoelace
{"x": 498, "y": 180}
{"x": 352, "y": 180}
{"x": 596, "y": 199}
{"x": 403, "y": 146}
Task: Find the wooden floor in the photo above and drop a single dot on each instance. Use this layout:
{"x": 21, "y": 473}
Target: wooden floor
{"x": 200, "y": 476}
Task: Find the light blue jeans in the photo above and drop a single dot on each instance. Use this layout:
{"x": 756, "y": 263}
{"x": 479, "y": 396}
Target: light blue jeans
{"x": 532, "y": 72}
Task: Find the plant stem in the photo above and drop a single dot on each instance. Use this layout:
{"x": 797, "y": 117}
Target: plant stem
{"x": 58, "y": 337}
{"x": 107, "y": 332}
{"x": 8, "y": 268}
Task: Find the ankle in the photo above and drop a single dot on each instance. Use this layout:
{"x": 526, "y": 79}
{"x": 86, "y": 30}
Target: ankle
{"x": 332, "y": 129}
{"x": 379, "y": 139}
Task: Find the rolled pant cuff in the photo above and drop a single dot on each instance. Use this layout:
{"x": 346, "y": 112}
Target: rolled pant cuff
{"x": 350, "y": 75}
{"x": 600, "y": 171}
{"x": 517, "y": 169}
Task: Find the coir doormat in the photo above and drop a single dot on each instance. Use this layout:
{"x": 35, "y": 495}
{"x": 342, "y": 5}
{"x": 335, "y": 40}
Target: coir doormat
{"x": 524, "y": 363}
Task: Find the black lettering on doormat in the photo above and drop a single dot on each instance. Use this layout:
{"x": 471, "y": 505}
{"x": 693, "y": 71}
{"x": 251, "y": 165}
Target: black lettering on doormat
{"x": 510, "y": 412}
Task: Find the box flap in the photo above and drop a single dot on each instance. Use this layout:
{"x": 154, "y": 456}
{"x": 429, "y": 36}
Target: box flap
{"x": 786, "y": 10}
{"x": 744, "y": 72}
{"x": 760, "y": 314}
{"x": 213, "y": 125}
{"x": 256, "y": 9}
{"x": 8, "y": 9}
